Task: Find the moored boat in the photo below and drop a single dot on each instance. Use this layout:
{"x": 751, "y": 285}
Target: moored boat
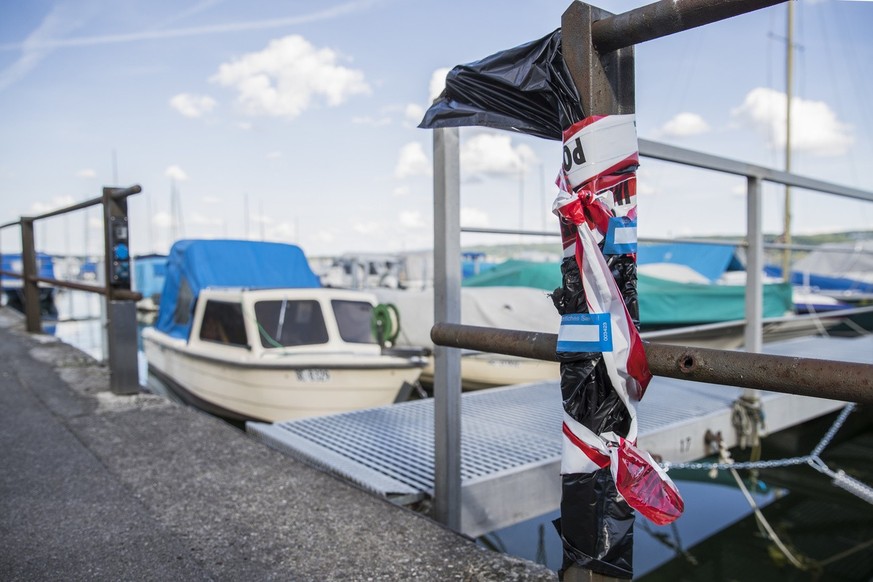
{"x": 246, "y": 332}
{"x": 148, "y": 279}
{"x": 13, "y": 288}
{"x": 505, "y": 307}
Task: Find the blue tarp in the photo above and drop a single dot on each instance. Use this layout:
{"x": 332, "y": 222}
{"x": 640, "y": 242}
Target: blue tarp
{"x": 821, "y": 282}
{"x": 45, "y": 267}
{"x": 149, "y": 272}
{"x": 711, "y": 261}
{"x": 662, "y": 302}
{"x": 194, "y": 265}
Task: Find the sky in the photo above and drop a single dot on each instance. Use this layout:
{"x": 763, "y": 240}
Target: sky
{"x": 296, "y": 121}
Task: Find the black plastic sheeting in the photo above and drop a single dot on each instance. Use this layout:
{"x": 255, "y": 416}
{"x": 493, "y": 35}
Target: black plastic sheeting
{"x": 596, "y": 526}
{"x": 528, "y": 89}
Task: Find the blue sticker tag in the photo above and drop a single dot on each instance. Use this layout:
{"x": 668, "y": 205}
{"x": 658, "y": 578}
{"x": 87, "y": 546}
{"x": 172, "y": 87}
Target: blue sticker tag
{"x": 585, "y": 332}
{"x": 621, "y": 236}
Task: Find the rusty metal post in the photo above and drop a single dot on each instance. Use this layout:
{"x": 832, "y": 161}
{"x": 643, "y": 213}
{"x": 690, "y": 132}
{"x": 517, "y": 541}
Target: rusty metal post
{"x": 667, "y": 17}
{"x": 29, "y": 284}
{"x": 120, "y": 312}
{"x": 605, "y": 80}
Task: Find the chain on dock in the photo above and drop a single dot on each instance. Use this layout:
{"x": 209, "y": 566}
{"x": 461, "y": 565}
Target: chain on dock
{"x": 813, "y": 459}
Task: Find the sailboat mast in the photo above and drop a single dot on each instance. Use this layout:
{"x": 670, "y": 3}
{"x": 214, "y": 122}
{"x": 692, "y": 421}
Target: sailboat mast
{"x": 789, "y": 84}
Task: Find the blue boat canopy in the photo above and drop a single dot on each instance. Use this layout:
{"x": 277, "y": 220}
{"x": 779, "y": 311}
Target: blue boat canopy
{"x": 709, "y": 260}
{"x": 194, "y": 265}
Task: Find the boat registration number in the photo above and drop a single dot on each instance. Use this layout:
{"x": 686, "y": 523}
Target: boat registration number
{"x": 504, "y": 363}
{"x": 313, "y": 375}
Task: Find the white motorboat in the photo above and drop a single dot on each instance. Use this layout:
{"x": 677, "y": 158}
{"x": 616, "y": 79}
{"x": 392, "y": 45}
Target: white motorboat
{"x": 245, "y": 332}
{"x": 521, "y": 308}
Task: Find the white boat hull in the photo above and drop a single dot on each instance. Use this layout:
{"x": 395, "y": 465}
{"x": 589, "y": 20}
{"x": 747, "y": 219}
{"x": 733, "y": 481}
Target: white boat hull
{"x": 483, "y": 370}
{"x": 283, "y": 388}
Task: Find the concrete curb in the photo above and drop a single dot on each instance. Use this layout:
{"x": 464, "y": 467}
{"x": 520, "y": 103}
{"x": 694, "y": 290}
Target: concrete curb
{"x": 99, "y": 486}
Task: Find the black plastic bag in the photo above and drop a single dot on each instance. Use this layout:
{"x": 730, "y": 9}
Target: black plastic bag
{"x": 527, "y": 89}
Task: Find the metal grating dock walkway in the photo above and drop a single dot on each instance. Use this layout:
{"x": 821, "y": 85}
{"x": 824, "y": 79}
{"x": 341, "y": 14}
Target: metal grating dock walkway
{"x": 511, "y": 445}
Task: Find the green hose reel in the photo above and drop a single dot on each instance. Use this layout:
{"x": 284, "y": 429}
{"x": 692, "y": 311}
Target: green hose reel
{"x": 385, "y": 323}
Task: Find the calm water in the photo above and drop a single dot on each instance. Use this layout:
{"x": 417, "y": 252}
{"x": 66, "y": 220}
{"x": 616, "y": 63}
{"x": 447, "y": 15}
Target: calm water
{"x": 829, "y": 531}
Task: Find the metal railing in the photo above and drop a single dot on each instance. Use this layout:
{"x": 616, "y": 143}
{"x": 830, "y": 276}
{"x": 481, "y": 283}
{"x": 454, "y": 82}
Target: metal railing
{"x": 847, "y": 381}
{"x": 598, "y": 50}
{"x": 120, "y": 300}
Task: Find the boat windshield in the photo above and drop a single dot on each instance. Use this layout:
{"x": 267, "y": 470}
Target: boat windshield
{"x": 223, "y": 323}
{"x": 285, "y": 323}
{"x": 353, "y": 319}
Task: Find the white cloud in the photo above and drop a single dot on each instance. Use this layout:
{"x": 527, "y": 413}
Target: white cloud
{"x": 274, "y": 155}
{"x": 262, "y": 219}
{"x": 814, "y": 125}
{"x": 494, "y": 154}
{"x": 281, "y": 232}
{"x": 162, "y": 219}
{"x": 198, "y": 219}
{"x": 412, "y": 161}
{"x": 400, "y": 191}
{"x": 86, "y": 173}
{"x": 412, "y": 220}
{"x": 473, "y": 217}
{"x": 739, "y": 190}
{"x": 645, "y": 188}
{"x": 54, "y": 204}
{"x": 368, "y": 228}
{"x": 685, "y": 125}
{"x": 437, "y": 83}
{"x": 192, "y": 105}
{"x": 486, "y": 153}
{"x": 283, "y": 79}
{"x": 210, "y": 200}
{"x": 176, "y": 173}
{"x": 413, "y": 113}
{"x": 324, "y": 236}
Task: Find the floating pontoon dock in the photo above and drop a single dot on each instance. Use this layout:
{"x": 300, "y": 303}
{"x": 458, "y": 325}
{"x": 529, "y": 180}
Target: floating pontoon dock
{"x": 510, "y": 437}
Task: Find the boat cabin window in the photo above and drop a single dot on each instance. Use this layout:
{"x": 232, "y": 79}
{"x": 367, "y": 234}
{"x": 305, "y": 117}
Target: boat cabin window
{"x": 353, "y": 319}
{"x": 285, "y": 323}
{"x": 223, "y": 323}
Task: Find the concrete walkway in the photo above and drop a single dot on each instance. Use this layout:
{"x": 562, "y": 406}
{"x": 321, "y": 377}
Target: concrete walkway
{"x": 102, "y": 487}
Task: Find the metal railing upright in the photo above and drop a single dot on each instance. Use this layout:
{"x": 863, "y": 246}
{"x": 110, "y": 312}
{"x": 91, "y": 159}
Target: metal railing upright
{"x": 598, "y": 51}
{"x": 120, "y": 300}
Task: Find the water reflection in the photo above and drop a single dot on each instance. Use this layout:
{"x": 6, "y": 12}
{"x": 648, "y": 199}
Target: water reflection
{"x": 827, "y": 531}
{"x": 81, "y": 322}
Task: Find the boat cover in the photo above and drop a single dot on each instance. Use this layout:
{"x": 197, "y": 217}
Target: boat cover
{"x": 508, "y": 307}
{"x": 148, "y": 274}
{"x": 45, "y": 267}
{"x": 711, "y": 261}
{"x": 662, "y": 302}
{"x": 194, "y": 265}
{"x": 844, "y": 267}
